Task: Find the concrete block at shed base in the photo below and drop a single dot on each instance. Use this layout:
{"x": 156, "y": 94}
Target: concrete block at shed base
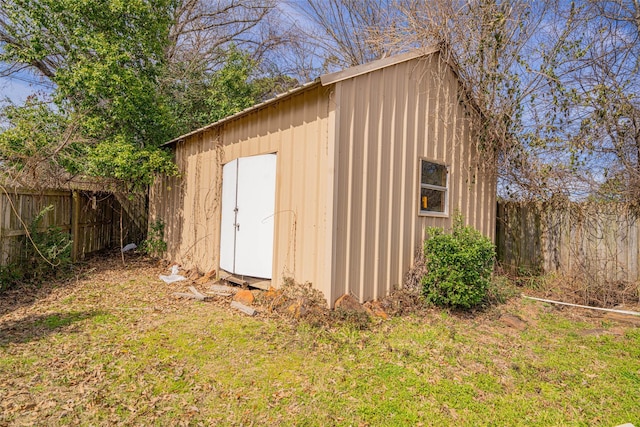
{"x": 243, "y": 308}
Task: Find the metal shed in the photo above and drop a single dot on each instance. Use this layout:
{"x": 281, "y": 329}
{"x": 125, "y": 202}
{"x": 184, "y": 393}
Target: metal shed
{"x": 332, "y": 183}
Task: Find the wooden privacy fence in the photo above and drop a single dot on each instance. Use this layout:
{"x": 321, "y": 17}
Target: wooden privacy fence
{"x": 95, "y": 220}
{"x": 594, "y": 241}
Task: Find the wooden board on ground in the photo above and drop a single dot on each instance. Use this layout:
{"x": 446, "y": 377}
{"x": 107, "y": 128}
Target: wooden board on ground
{"x": 253, "y": 282}
{"x": 222, "y": 290}
{"x": 195, "y": 294}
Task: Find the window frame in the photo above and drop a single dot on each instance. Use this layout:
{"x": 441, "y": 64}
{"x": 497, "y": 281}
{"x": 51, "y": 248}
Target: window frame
{"x": 445, "y": 189}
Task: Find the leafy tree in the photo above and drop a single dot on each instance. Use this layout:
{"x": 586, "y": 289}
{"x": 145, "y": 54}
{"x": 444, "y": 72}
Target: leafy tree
{"x": 34, "y": 133}
{"x": 128, "y": 76}
{"x": 208, "y": 96}
{"x": 103, "y": 58}
{"x": 229, "y": 90}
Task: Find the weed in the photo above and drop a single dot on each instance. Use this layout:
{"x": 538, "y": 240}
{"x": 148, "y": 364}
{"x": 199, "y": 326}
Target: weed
{"x": 47, "y": 252}
{"x": 10, "y": 275}
{"x": 293, "y": 290}
{"x": 500, "y": 290}
{"x": 155, "y": 245}
{"x": 358, "y": 320}
{"x": 403, "y": 301}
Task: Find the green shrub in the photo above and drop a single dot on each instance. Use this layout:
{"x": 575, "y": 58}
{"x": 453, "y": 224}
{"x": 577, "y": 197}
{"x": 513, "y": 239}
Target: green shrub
{"x": 459, "y": 266}
{"x": 48, "y": 251}
{"x": 45, "y": 253}
{"x": 155, "y": 245}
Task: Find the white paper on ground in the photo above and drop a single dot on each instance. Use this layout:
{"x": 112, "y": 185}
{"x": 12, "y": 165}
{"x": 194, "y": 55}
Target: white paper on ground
{"x": 174, "y": 277}
{"x": 129, "y": 247}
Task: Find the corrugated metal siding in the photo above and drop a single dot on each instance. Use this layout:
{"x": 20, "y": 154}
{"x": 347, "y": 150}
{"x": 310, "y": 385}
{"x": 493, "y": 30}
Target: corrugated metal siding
{"x": 347, "y": 181}
{"x": 296, "y": 129}
{"x": 388, "y": 120}
{"x": 188, "y": 204}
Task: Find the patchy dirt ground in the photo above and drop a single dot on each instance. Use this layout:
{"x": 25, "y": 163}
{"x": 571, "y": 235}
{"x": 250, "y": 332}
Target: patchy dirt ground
{"x": 104, "y": 285}
{"x": 93, "y": 349}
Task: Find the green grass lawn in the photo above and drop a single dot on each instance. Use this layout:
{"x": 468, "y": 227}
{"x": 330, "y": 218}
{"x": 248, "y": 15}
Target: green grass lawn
{"x": 116, "y": 348}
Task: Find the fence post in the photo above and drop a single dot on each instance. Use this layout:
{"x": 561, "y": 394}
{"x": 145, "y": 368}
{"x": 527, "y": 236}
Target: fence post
{"x": 75, "y": 224}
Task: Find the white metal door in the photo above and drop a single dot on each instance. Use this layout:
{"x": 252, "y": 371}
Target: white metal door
{"x": 228, "y": 221}
{"x": 248, "y": 200}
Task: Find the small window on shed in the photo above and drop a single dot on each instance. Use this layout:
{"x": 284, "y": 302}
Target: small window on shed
{"x": 434, "y": 179}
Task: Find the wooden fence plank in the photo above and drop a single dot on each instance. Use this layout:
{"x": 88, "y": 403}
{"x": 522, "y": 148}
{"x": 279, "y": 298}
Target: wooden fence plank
{"x": 600, "y": 241}
{"x": 88, "y": 217}
{"x": 75, "y": 227}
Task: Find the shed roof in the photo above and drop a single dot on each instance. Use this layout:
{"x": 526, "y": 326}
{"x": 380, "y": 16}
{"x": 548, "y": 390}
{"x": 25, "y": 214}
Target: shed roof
{"x": 358, "y": 70}
{"x": 324, "y": 80}
{"x": 247, "y": 110}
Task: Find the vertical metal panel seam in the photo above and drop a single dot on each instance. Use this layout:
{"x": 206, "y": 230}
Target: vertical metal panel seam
{"x": 291, "y": 232}
{"x": 316, "y": 135}
{"x": 319, "y": 236}
{"x": 378, "y": 189}
{"x": 365, "y": 185}
{"x": 302, "y": 143}
{"x": 331, "y": 196}
{"x": 377, "y": 114}
{"x": 218, "y": 143}
{"x": 300, "y": 193}
{"x": 404, "y": 187}
{"x": 465, "y": 163}
{"x": 454, "y": 155}
{"x": 415, "y": 178}
{"x": 349, "y": 186}
{"x": 392, "y": 161}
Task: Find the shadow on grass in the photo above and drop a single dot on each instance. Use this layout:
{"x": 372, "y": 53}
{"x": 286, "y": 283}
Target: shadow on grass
{"x": 35, "y": 327}
{"x": 27, "y": 294}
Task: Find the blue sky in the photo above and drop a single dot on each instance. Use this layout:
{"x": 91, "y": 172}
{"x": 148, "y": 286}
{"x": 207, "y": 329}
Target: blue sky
{"x": 17, "y": 87}
{"x": 15, "y": 90}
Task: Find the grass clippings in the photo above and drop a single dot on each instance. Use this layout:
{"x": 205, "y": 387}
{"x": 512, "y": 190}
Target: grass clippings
{"x": 113, "y": 347}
